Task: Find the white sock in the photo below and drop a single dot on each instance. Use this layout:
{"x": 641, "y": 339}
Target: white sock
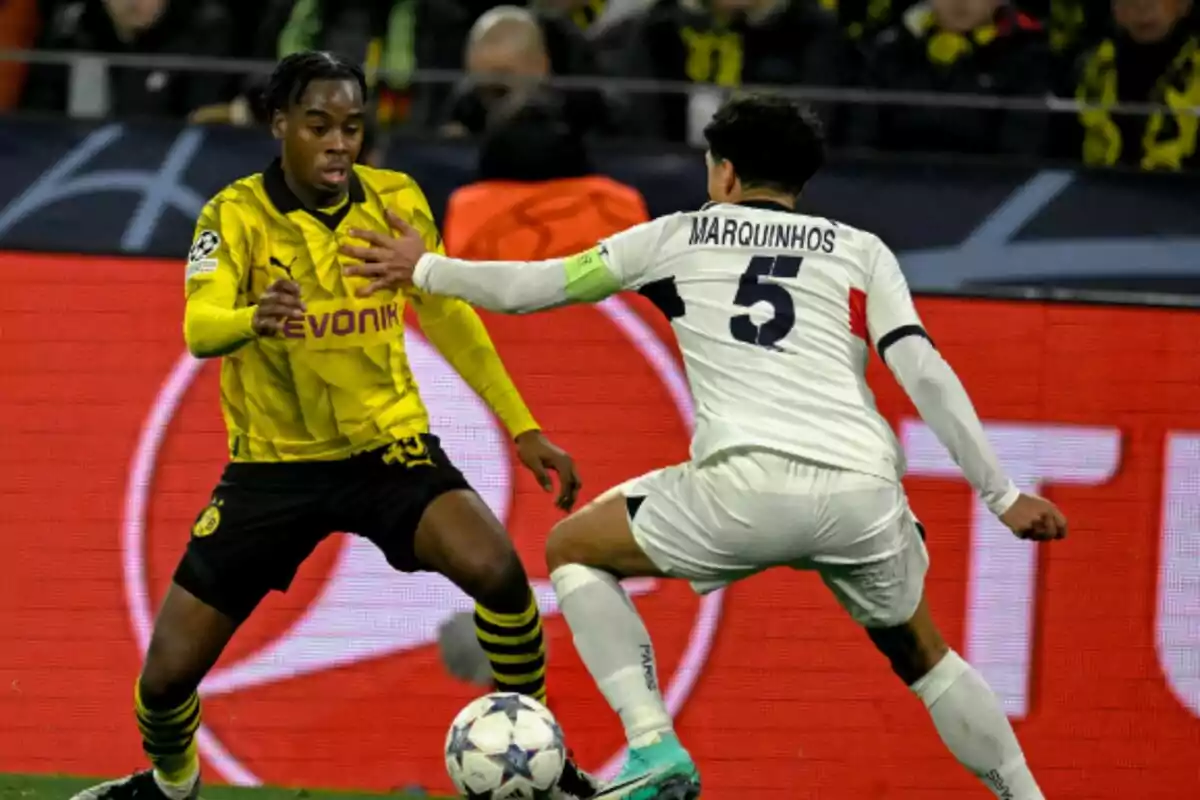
{"x": 972, "y": 724}
{"x": 177, "y": 791}
{"x": 613, "y": 642}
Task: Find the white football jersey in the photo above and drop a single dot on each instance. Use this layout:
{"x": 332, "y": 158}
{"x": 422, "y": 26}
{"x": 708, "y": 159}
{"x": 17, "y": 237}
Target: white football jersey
{"x": 773, "y": 310}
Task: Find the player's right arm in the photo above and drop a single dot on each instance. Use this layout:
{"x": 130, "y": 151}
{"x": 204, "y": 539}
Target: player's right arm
{"x": 218, "y": 265}
{"x": 521, "y": 287}
{"x": 939, "y": 396}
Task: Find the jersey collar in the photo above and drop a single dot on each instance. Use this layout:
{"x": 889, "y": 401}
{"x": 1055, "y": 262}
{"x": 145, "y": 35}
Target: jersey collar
{"x": 765, "y": 205}
{"x": 285, "y": 200}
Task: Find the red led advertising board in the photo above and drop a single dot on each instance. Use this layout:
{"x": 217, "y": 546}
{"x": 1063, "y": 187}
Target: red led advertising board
{"x": 111, "y": 438}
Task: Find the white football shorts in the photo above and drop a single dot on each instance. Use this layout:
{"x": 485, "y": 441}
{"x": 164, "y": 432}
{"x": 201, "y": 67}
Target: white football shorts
{"x": 745, "y": 511}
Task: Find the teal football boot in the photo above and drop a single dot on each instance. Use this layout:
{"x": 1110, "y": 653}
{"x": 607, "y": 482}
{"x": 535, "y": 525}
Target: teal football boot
{"x": 661, "y": 770}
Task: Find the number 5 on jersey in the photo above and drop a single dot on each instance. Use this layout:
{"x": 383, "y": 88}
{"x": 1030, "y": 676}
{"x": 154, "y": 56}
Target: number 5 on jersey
{"x": 753, "y": 289}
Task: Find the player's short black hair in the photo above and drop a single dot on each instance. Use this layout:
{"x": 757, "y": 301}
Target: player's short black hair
{"x": 773, "y": 142}
{"x": 294, "y": 73}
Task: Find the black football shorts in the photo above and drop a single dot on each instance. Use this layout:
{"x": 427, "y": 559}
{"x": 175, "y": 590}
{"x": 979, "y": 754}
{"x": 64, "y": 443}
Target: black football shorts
{"x": 265, "y": 519}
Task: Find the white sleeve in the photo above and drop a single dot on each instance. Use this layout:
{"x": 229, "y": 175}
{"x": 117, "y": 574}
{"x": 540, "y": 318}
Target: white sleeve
{"x": 632, "y": 253}
{"x": 938, "y": 394}
{"x": 891, "y": 315}
{"x": 519, "y": 287}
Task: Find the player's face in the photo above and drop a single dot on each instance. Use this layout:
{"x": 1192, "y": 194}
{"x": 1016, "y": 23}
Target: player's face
{"x": 961, "y": 16}
{"x": 722, "y": 180}
{"x": 135, "y": 15}
{"x": 1148, "y": 21}
{"x": 322, "y": 135}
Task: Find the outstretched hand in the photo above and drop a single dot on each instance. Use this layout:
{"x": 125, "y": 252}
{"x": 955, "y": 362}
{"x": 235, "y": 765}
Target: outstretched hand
{"x": 389, "y": 261}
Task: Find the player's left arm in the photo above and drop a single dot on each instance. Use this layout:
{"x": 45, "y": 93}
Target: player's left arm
{"x": 522, "y": 287}
{"x": 457, "y": 332}
{"x": 459, "y": 335}
{"x": 942, "y": 401}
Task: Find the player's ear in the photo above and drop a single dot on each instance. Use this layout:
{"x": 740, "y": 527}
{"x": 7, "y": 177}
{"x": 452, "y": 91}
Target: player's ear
{"x": 728, "y": 177}
{"x": 279, "y": 124}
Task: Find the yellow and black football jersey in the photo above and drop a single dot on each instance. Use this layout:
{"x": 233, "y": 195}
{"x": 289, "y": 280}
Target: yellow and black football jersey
{"x": 337, "y": 382}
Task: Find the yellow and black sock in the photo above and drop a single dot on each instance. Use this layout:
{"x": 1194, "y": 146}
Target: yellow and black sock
{"x": 169, "y": 738}
{"x": 515, "y": 648}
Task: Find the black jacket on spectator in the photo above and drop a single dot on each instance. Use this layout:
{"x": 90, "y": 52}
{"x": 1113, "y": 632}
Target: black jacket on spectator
{"x": 187, "y": 27}
{"x": 798, "y": 44}
{"x": 1009, "y": 57}
{"x": 570, "y": 55}
{"x": 1072, "y": 26}
{"x": 442, "y": 28}
{"x": 531, "y": 141}
{"x": 1120, "y": 70}
{"x": 395, "y": 37}
{"x": 863, "y": 20}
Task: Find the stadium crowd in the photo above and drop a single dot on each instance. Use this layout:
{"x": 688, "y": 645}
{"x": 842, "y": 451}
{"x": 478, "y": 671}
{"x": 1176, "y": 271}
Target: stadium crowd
{"x": 1104, "y": 53}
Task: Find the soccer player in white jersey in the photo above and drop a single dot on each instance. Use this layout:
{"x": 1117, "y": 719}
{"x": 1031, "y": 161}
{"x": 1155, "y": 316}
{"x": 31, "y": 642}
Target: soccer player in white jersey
{"x": 791, "y": 463}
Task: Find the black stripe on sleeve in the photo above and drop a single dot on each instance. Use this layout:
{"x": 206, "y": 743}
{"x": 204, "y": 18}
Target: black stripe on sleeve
{"x": 893, "y": 336}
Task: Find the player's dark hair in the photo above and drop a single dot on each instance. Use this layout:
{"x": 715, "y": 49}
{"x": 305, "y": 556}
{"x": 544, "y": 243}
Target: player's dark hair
{"x": 294, "y": 73}
{"x": 773, "y": 142}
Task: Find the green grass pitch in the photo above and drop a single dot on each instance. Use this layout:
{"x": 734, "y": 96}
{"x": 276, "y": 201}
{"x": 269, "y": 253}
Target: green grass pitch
{"x": 42, "y": 787}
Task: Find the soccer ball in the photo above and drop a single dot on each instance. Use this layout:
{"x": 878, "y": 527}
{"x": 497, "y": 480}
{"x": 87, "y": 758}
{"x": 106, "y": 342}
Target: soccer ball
{"x": 505, "y": 746}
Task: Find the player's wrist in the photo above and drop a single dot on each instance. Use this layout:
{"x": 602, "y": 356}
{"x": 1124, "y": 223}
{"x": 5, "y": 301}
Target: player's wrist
{"x": 248, "y": 322}
{"x": 526, "y": 433}
{"x": 420, "y": 274}
{"x": 999, "y": 504}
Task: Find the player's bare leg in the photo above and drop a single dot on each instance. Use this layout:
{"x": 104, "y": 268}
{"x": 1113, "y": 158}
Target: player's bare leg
{"x": 189, "y": 636}
{"x": 967, "y": 714}
{"x": 460, "y": 538}
{"x": 587, "y": 555}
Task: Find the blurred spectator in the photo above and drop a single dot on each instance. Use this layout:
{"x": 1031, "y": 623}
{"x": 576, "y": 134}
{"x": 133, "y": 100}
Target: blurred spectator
{"x": 1153, "y": 58}
{"x": 392, "y": 37}
{"x": 440, "y": 34}
{"x": 376, "y": 31}
{"x": 863, "y": 20}
{"x": 90, "y": 88}
{"x": 531, "y": 141}
{"x": 981, "y": 47}
{"x": 18, "y": 31}
{"x": 587, "y": 14}
{"x": 382, "y": 33}
{"x": 512, "y": 49}
{"x": 723, "y": 44}
{"x": 536, "y": 196}
{"x": 1072, "y": 26}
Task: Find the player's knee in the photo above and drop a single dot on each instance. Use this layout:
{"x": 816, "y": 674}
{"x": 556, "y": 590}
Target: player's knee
{"x": 498, "y": 582}
{"x": 912, "y": 648}
{"x": 912, "y": 664}
{"x": 563, "y": 546}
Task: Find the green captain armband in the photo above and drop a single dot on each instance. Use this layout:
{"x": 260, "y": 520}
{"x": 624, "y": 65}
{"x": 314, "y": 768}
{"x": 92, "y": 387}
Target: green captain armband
{"x": 589, "y": 279}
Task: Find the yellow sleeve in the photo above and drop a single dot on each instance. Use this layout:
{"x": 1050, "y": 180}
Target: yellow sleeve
{"x": 217, "y": 266}
{"x": 458, "y": 333}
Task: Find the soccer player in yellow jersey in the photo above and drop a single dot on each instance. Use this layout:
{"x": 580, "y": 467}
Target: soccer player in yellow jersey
{"x": 327, "y": 431}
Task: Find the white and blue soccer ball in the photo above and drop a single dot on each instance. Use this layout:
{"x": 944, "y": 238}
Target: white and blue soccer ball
{"x": 505, "y": 746}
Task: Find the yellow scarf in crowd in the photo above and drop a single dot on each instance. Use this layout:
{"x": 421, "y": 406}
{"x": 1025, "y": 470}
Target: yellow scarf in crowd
{"x": 1169, "y": 138}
